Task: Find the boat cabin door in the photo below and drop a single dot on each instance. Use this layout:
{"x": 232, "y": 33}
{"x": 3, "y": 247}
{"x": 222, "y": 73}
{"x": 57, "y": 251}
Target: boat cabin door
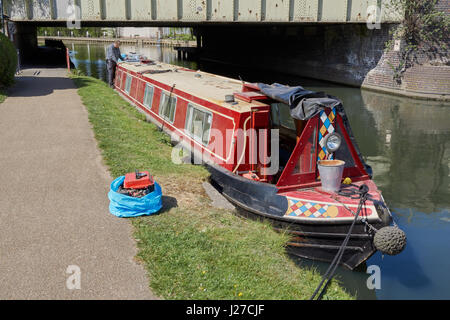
{"x": 301, "y": 166}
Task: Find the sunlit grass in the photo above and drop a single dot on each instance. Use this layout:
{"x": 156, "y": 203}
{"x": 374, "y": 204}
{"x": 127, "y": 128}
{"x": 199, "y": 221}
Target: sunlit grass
{"x": 192, "y": 250}
{"x": 2, "y": 95}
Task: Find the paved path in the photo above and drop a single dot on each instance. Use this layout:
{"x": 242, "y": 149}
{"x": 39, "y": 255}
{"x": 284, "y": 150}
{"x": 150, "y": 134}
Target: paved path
{"x": 53, "y": 200}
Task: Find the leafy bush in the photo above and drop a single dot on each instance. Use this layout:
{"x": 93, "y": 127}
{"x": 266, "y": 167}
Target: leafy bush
{"x": 8, "y": 61}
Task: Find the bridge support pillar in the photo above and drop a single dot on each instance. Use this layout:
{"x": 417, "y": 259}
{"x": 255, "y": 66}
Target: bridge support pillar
{"x": 25, "y": 39}
{"x": 198, "y": 35}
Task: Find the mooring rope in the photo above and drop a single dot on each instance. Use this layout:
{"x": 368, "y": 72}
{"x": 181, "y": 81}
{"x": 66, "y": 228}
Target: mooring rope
{"x": 363, "y": 220}
{"x": 328, "y": 276}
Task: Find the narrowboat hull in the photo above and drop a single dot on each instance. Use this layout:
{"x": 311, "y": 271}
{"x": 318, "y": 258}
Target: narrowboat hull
{"x": 315, "y": 240}
{"x": 261, "y": 201}
{"x": 294, "y": 203}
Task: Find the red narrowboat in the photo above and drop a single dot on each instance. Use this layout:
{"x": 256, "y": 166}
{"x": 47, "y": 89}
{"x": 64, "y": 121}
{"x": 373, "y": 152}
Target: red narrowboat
{"x": 262, "y": 158}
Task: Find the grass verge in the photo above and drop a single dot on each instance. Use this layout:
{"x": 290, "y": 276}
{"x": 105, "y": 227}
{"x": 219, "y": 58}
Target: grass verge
{"x": 192, "y": 250}
{"x": 3, "y": 95}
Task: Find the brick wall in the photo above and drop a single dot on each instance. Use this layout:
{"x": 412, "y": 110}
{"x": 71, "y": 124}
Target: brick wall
{"x": 431, "y": 76}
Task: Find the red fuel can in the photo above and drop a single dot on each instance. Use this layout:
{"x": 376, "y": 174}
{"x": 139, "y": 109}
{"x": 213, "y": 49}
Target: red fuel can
{"x": 138, "y": 180}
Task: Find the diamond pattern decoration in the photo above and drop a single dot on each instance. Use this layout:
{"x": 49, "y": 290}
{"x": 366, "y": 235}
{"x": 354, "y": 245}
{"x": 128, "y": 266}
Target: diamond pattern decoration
{"x": 298, "y": 208}
{"x": 326, "y": 127}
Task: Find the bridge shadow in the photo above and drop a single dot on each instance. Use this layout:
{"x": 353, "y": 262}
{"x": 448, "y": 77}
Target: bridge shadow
{"x": 35, "y": 85}
{"x": 87, "y": 81}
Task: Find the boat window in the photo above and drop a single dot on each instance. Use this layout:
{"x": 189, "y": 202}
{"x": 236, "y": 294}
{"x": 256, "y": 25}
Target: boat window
{"x": 128, "y": 84}
{"x": 148, "y": 96}
{"x": 198, "y": 124}
{"x": 281, "y": 115}
{"x": 166, "y": 107}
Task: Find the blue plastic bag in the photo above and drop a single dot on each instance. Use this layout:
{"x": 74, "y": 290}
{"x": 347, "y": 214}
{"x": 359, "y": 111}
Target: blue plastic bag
{"x": 124, "y": 206}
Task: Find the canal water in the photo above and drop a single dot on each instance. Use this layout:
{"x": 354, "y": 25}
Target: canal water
{"x": 407, "y": 143}
{"x": 90, "y": 58}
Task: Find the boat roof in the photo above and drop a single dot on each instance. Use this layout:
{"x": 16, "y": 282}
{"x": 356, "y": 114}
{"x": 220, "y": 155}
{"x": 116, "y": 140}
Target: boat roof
{"x": 201, "y": 84}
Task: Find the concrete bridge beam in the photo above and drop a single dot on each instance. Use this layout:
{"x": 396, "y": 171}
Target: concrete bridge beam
{"x": 182, "y": 12}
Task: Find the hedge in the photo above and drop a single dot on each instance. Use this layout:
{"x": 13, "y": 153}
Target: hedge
{"x": 8, "y": 61}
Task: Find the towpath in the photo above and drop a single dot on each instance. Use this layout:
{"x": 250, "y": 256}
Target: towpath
{"x": 55, "y": 229}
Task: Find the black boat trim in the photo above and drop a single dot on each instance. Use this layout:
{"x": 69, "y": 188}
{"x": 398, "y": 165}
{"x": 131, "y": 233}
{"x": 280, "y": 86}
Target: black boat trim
{"x": 323, "y": 235}
{"x": 322, "y": 246}
{"x": 291, "y": 251}
{"x": 292, "y": 221}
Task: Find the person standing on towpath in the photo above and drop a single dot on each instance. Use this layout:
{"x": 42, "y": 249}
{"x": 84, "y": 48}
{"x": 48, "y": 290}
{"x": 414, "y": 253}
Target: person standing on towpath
{"x": 112, "y": 57}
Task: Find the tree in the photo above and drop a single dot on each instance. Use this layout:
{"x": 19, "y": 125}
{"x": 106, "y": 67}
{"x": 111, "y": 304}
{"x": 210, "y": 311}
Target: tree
{"x": 8, "y": 58}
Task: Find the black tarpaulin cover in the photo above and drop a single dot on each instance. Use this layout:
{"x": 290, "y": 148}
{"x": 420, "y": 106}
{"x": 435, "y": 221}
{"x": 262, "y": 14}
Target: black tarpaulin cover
{"x": 305, "y": 104}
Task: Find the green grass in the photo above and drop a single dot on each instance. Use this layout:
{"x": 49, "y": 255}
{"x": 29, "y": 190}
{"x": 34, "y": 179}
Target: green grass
{"x": 192, "y": 250}
{"x": 3, "y": 95}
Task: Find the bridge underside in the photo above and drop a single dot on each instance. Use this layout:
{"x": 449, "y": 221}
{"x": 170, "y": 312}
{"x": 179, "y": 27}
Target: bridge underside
{"x": 341, "y": 53}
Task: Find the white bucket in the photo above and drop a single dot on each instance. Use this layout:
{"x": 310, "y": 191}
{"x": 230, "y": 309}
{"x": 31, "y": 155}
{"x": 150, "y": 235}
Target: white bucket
{"x": 331, "y": 174}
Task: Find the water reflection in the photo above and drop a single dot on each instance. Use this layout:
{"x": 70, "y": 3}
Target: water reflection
{"x": 90, "y": 58}
{"x": 418, "y": 151}
{"x": 407, "y": 143}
